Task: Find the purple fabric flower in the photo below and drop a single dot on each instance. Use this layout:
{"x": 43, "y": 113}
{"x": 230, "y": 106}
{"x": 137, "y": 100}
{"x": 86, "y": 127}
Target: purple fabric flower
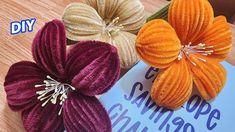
{"x": 58, "y": 91}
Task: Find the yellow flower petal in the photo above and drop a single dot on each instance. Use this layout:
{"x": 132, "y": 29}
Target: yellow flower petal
{"x": 82, "y": 22}
{"x": 190, "y": 18}
{"x": 173, "y": 85}
{"x": 157, "y": 44}
{"x": 219, "y": 36}
{"x": 209, "y": 77}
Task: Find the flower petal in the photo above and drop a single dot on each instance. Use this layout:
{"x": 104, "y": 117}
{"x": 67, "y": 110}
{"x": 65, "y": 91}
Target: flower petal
{"x": 190, "y": 18}
{"x": 43, "y": 119}
{"x": 125, "y": 44}
{"x": 132, "y": 15}
{"x": 209, "y": 77}
{"x": 231, "y": 56}
{"x": 93, "y": 67}
{"x": 105, "y": 8}
{"x": 82, "y": 22}
{"x": 157, "y": 44}
{"x": 84, "y": 113}
{"x": 173, "y": 85}
{"x": 49, "y": 48}
{"x": 219, "y": 36}
{"x": 19, "y": 85}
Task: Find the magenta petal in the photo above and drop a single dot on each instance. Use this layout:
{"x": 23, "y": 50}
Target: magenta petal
{"x": 43, "y": 119}
{"x": 49, "y": 48}
{"x": 19, "y": 85}
{"x": 85, "y": 114}
{"x": 93, "y": 67}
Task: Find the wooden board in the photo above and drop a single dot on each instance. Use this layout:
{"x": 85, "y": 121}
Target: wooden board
{"x": 18, "y": 47}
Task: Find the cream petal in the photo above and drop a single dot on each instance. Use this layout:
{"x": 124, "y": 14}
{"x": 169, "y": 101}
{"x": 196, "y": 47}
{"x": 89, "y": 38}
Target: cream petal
{"x": 105, "y": 38}
{"x": 132, "y": 15}
{"x": 105, "y": 8}
{"x": 82, "y": 22}
{"x": 125, "y": 44}
{"x": 130, "y": 12}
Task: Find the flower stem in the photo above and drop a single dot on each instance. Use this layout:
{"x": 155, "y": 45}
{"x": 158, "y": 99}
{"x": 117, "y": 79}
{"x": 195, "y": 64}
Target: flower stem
{"x": 161, "y": 14}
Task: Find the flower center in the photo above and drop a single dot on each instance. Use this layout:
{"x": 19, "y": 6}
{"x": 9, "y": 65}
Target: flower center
{"x": 53, "y": 90}
{"x": 195, "y": 49}
{"x": 112, "y": 27}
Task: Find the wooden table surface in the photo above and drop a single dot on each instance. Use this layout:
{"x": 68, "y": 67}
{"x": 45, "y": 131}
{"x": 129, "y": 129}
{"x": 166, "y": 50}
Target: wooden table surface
{"x": 18, "y": 47}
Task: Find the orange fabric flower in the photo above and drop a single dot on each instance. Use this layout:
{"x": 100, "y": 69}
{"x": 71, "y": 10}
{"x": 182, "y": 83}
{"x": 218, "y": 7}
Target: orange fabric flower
{"x": 188, "y": 50}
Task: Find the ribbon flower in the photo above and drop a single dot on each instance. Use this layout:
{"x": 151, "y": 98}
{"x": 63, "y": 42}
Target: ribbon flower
{"x": 112, "y": 21}
{"x": 188, "y": 50}
{"x": 58, "y": 91}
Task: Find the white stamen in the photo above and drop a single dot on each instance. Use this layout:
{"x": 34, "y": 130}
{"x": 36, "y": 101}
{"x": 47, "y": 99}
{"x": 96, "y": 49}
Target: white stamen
{"x": 201, "y": 49}
{"x": 180, "y": 56}
{"x": 112, "y": 27}
{"x": 53, "y": 89}
{"x": 60, "y": 111}
{"x": 202, "y": 59}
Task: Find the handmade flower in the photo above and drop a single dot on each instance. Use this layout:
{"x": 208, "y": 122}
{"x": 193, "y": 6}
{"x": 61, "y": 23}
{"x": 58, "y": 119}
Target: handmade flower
{"x": 188, "y": 50}
{"x": 112, "y": 21}
{"x": 58, "y": 91}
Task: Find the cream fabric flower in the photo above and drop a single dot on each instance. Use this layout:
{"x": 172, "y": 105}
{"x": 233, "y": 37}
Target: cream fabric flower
{"x": 112, "y": 21}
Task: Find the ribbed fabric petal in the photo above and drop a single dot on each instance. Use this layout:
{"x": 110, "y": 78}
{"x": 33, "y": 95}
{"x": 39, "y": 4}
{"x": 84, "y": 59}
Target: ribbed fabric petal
{"x": 130, "y": 12}
{"x": 43, "y": 119}
{"x": 157, "y": 44}
{"x": 190, "y": 18}
{"x": 82, "y": 22}
{"x": 19, "y": 85}
{"x": 49, "y": 48}
{"x": 132, "y": 15}
{"x": 93, "y": 67}
{"x": 105, "y": 8}
{"x": 219, "y": 36}
{"x": 173, "y": 85}
{"x": 124, "y": 42}
{"x": 209, "y": 77}
{"x": 85, "y": 114}
{"x": 231, "y": 56}
{"x": 106, "y": 20}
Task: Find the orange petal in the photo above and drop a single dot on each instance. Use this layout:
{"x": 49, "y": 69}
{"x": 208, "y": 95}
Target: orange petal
{"x": 157, "y": 44}
{"x": 190, "y": 18}
{"x": 173, "y": 85}
{"x": 219, "y": 36}
{"x": 209, "y": 77}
